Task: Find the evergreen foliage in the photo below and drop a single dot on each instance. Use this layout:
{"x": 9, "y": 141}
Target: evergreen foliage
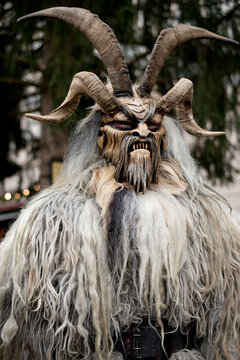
{"x": 54, "y": 52}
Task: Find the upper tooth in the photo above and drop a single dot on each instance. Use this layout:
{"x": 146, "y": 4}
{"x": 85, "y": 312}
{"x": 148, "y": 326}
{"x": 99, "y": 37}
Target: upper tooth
{"x": 140, "y": 145}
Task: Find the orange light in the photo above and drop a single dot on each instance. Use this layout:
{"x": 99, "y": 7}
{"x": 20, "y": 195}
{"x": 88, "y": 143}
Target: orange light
{"x": 7, "y": 196}
{"x": 17, "y": 196}
{"x": 37, "y": 187}
{"x": 26, "y": 192}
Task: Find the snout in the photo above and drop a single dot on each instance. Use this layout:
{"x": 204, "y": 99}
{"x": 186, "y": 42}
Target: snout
{"x": 141, "y": 131}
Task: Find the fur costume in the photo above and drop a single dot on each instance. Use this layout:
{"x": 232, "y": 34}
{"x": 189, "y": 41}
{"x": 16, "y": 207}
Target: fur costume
{"x": 128, "y": 231}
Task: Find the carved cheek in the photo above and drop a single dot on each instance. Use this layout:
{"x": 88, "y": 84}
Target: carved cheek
{"x": 160, "y": 137}
{"x": 109, "y": 142}
{"x": 101, "y": 138}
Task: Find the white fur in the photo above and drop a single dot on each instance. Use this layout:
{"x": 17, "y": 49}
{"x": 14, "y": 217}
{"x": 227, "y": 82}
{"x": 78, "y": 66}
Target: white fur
{"x": 176, "y": 257}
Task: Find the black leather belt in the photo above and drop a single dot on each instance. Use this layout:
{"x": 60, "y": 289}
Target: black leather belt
{"x": 141, "y": 343}
{"x": 144, "y": 342}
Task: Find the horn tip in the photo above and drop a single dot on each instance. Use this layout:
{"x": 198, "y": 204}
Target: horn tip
{"x": 208, "y": 133}
{"x": 41, "y": 13}
{"x": 29, "y": 16}
{"x": 34, "y": 116}
{"x": 43, "y": 118}
{"x": 25, "y": 17}
{"x": 219, "y": 133}
{"x": 20, "y": 19}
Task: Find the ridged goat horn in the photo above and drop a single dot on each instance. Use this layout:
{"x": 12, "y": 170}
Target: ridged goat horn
{"x": 180, "y": 96}
{"x": 165, "y": 44}
{"x": 102, "y": 38}
{"x": 83, "y": 83}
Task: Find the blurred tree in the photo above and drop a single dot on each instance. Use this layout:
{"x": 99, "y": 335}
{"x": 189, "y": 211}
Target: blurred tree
{"x": 49, "y": 53}
{"x": 11, "y": 72}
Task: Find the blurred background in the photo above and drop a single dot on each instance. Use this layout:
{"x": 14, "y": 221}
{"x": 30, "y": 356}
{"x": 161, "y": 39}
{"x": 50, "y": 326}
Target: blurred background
{"x": 39, "y": 57}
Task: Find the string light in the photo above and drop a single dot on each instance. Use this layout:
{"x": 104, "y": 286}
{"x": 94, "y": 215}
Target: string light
{"x": 17, "y": 196}
{"x": 26, "y": 192}
{"x": 7, "y": 196}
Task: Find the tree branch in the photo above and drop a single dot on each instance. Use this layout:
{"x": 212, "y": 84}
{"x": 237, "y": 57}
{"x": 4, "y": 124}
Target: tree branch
{"x": 22, "y": 61}
{"x": 228, "y": 15}
{"x": 138, "y": 57}
{"x": 10, "y": 80}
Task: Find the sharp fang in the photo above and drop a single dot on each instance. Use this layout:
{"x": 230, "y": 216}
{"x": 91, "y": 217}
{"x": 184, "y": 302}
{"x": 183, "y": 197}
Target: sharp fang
{"x": 133, "y": 146}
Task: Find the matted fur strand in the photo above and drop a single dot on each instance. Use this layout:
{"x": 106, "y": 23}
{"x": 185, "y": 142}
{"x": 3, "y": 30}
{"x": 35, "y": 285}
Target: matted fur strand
{"x": 72, "y": 276}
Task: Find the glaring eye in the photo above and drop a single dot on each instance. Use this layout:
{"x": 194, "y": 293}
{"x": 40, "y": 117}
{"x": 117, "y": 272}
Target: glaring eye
{"x": 154, "y": 127}
{"x": 122, "y": 125}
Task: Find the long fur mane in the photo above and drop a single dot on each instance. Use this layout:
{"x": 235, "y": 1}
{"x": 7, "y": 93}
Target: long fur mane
{"x": 87, "y": 257}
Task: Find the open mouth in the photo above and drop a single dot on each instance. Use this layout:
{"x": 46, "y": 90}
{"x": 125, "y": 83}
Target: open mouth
{"x": 139, "y": 145}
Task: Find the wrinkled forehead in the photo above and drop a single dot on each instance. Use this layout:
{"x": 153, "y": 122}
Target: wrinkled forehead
{"x": 141, "y": 109}
{"x": 135, "y": 110}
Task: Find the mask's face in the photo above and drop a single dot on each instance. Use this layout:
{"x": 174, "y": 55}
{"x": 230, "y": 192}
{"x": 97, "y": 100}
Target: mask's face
{"x": 133, "y": 141}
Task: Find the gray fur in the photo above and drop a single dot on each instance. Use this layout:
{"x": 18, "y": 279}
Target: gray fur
{"x": 174, "y": 256}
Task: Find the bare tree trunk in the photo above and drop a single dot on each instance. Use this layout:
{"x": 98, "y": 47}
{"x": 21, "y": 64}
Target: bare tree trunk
{"x": 53, "y": 139}
{"x": 52, "y": 145}
{"x": 45, "y": 145}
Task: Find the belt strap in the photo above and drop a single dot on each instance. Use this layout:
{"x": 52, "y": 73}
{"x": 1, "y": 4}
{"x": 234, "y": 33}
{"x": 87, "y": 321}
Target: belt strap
{"x": 141, "y": 343}
{"x": 144, "y": 342}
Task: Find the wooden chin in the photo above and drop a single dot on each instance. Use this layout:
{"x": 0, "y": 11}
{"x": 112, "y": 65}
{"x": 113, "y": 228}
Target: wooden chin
{"x": 139, "y": 171}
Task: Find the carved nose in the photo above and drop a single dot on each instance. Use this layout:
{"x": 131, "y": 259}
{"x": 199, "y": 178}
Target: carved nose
{"x": 142, "y": 131}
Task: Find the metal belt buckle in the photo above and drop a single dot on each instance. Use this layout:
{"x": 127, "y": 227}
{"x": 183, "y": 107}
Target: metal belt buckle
{"x": 147, "y": 343}
{"x": 136, "y": 345}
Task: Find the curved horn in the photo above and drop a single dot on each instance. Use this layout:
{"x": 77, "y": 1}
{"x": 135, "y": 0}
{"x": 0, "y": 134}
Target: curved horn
{"x": 102, "y": 38}
{"x": 82, "y": 83}
{"x": 165, "y": 44}
{"x": 181, "y": 96}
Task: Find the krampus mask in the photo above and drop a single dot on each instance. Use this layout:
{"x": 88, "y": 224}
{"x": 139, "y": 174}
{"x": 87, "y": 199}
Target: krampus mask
{"x": 132, "y": 136}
